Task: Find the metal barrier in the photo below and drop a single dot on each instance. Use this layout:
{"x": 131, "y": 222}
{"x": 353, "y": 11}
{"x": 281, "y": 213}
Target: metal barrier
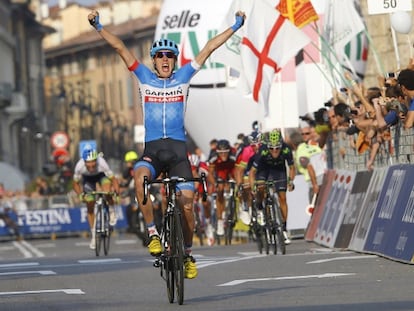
{"x": 397, "y": 148}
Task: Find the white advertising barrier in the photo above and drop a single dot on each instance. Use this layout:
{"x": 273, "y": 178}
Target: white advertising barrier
{"x": 297, "y": 201}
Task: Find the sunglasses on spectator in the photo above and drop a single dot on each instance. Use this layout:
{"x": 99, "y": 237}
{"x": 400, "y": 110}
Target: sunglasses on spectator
{"x": 162, "y": 54}
{"x": 305, "y": 133}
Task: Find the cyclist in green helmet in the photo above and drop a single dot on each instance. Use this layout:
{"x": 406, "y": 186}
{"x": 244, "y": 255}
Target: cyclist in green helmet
{"x": 269, "y": 164}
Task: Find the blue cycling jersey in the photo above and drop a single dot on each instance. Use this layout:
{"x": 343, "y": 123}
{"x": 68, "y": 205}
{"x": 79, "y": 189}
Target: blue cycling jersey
{"x": 164, "y": 101}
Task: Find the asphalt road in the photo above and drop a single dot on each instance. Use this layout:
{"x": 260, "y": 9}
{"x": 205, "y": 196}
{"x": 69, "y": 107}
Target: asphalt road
{"x": 63, "y": 274}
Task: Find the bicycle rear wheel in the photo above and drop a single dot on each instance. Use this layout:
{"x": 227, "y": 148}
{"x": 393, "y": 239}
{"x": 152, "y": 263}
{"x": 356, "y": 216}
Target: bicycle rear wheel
{"x": 178, "y": 256}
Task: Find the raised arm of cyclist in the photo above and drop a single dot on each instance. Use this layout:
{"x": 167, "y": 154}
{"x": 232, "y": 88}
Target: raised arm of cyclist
{"x": 129, "y": 59}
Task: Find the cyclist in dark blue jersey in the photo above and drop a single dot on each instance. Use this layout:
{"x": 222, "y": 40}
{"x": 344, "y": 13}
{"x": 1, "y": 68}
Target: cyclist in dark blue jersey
{"x": 273, "y": 162}
{"x": 164, "y": 97}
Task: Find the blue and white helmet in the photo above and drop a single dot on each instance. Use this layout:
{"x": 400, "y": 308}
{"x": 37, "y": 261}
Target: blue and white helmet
{"x": 164, "y": 44}
{"x": 89, "y": 154}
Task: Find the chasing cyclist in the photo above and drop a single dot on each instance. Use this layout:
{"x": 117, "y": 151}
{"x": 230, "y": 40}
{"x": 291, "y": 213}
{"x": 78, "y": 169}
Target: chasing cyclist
{"x": 127, "y": 185}
{"x": 243, "y": 165}
{"x": 90, "y": 170}
{"x": 220, "y": 170}
{"x": 269, "y": 164}
{"x": 164, "y": 94}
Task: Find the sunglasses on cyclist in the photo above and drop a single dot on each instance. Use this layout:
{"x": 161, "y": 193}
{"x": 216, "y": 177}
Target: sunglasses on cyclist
{"x": 162, "y": 54}
{"x": 274, "y": 148}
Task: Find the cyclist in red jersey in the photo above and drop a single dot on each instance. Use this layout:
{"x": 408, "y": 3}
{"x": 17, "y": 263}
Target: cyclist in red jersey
{"x": 221, "y": 168}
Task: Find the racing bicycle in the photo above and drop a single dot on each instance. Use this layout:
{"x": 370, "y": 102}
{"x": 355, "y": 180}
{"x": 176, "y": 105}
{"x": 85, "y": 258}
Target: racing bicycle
{"x": 103, "y": 229}
{"x": 171, "y": 260}
{"x": 230, "y": 216}
{"x": 268, "y": 221}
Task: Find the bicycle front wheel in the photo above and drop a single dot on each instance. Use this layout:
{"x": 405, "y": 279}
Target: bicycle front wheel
{"x": 280, "y": 239}
{"x": 106, "y": 234}
{"x": 98, "y": 231}
{"x": 178, "y": 256}
{"x": 169, "y": 278}
{"x": 230, "y": 222}
{"x": 168, "y": 260}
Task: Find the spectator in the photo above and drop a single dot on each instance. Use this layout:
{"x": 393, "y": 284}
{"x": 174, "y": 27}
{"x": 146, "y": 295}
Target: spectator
{"x": 310, "y": 161}
{"x": 42, "y": 187}
{"x": 6, "y": 207}
{"x": 213, "y": 147}
{"x": 406, "y": 82}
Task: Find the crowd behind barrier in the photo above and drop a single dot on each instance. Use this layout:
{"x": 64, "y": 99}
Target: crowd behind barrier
{"x": 398, "y": 149}
{"x": 364, "y": 210}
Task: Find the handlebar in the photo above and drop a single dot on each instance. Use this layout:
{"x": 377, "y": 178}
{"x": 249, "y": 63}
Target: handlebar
{"x": 174, "y": 181}
{"x": 267, "y": 183}
{"x": 110, "y": 193}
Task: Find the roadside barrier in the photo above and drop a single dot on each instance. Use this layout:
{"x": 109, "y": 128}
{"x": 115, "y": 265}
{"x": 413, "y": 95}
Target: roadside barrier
{"x": 364, "y": 211}
{"x": 34, "y": 222}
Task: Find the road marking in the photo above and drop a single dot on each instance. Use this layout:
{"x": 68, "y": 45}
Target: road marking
{"x": 44, "y": 272}
{"x": 46, "y": 245}
{"x": 23, "y": 264}
{"x": 100, "y": 260}
{"x": 33, "y": 249}
{"x": 6, "y": 248}
{"x": 46, "y": 291}
{"x": 218, "y": 261}
{"x": 27, "y": 249}
{"x": 342, "y": 258}
{"x": 24, "y": 251}
{"x": 126, "y": 242}
{"x": 297, "y": 277}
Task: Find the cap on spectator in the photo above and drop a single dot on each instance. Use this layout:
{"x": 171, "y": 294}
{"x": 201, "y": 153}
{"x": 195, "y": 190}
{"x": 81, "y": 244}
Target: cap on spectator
{"x": 406, "y": 78}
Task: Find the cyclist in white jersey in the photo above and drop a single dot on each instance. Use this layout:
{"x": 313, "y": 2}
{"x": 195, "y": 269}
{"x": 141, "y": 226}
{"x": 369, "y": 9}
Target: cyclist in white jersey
{"x": 164, "y": 96}
{"x": 90, "y": 170}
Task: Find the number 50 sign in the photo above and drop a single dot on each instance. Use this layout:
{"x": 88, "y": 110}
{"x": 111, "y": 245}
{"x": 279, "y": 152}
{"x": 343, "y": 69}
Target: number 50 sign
{"x": 388, "y": 6}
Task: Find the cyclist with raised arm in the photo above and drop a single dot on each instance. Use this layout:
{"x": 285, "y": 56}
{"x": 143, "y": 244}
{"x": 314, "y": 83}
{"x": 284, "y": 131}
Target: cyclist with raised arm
{"x": 90, "y": 170}
{"x": 270, "y": 164}
{"x": 220, "y": 170}
{"x": 164, "y": 94}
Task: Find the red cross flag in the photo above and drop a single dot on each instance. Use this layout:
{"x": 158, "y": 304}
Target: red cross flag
{"x": 267, "y": 42}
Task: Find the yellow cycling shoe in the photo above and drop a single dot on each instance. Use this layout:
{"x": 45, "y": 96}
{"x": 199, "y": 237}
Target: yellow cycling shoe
{"x": 154, "y": 246}
{"x": 190, "y": 268}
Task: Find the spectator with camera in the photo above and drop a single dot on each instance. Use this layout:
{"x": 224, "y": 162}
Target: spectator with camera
{"x": 406, "y": 82}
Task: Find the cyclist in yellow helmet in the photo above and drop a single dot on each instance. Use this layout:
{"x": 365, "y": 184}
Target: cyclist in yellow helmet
{"x": 270, "y": 164}
{"x": 128, "y": 185}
